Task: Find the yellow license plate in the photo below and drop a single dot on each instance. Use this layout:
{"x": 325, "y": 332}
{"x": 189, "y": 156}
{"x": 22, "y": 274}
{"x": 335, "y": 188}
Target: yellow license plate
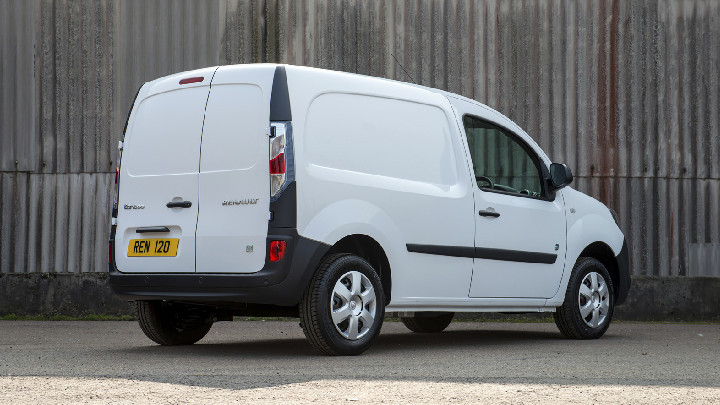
{"x": 153, "y": 247}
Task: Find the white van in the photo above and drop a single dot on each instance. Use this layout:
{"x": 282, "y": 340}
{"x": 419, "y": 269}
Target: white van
{"x": 275, "y": 190}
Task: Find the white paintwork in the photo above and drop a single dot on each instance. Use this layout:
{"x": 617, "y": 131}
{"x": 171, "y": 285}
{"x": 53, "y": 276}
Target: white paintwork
{"x": 160, "y": 164}
{"x": 382, "y": 174}
{"x": 530, "y": 225}
{"x": 379, "y": 158}
{"x": 591, "y": 222}
{"x": 234, "y": 167}
{"x": 387, "y": 139}
{"x": 525, "y": 224}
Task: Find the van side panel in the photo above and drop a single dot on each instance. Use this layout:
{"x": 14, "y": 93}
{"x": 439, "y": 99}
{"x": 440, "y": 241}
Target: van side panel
{"x": 381, "y": 136}
{"x": 381, "y": 159}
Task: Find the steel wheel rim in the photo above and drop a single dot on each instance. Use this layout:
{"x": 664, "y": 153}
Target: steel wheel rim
{"x": 353, "y": 305}
{"x": 594, "y": 300}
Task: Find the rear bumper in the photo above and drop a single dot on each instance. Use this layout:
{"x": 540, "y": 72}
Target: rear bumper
{"x": 623, "y": 261}
{"x": 279, "y": 283}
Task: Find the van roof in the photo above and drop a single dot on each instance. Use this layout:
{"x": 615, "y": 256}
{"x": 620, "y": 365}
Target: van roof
{"x": 164, "y": 83}
{"x": 156, "y": 82}
{"x": 498, "y": 115}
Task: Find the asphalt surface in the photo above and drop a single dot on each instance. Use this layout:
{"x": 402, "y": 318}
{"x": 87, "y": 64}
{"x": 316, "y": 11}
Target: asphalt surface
{"x": 271, "y": 362}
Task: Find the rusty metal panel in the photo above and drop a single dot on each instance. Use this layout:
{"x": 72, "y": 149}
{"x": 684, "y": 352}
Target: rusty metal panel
{"x": 158, "y": 38}
{"x": 18, "y": 137}
{"x": 626, "y": 92}
{"x": 55, "y": 222}
{"x": 73, "y": 60}
{"x": 704, "y": 256}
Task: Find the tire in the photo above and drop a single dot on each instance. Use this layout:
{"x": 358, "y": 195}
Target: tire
{"x": 348, "y": 287}
{"x": 597, "y": 300}
{"x": 428, "y": 322}
{"x": 172, "y": 324}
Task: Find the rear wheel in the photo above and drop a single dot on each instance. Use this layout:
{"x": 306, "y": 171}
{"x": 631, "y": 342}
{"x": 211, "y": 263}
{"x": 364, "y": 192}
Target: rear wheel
{"x": 342, "y": 310}
{"x": 172, "y": 324}
{"x": 589, "y": 301}
{"x": 428, "y": 322}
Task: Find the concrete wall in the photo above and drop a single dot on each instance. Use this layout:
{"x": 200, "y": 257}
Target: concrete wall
{"x": 626, "y": 92}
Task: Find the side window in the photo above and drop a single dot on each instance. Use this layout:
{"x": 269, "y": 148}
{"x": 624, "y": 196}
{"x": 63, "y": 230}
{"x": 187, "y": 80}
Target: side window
{"x": 500, "y": 162}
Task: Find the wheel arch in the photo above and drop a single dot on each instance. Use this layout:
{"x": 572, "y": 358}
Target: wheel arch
{"x": 370, "y": 250}
{"x": 605, "y": 255}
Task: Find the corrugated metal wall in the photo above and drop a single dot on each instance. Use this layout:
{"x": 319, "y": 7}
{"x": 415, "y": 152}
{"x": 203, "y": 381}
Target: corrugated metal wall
{"x": 626, "y": 92}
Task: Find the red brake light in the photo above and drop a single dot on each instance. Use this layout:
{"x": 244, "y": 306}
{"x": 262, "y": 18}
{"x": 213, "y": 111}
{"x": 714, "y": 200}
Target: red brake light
{"x": 192, "y": 80}
{"x": 277, "y": 165}
{"x": 117, "y": 175}
{"x": 277, "y": 250}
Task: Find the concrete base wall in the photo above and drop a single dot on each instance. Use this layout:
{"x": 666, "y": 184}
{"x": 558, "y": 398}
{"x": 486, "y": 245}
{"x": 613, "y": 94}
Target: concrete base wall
{"x": 51, "y": 294}
{"x": 672, "y": 299}
{"x": 650, "y": 298}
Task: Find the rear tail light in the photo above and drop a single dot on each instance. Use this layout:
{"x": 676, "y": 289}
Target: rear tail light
{"x": 281, "y": 163}
{"x": 277, "y": 164}
{"x": 277, "y": 250}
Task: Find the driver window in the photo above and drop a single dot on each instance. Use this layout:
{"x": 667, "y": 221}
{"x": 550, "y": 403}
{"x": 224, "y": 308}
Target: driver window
{"x": 499, "y": 161}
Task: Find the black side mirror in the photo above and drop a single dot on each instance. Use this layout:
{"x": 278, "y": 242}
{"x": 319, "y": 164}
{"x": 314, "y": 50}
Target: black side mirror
{"x": 560, "y": 175}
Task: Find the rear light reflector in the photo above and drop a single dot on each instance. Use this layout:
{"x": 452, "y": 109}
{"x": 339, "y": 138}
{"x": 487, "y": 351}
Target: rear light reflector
{"x": 192, "y": 80}
{"x": 277, "y": 250}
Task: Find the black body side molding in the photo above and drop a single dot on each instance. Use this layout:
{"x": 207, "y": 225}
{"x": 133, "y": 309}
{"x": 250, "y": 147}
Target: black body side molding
{"x": 484, "y": 253}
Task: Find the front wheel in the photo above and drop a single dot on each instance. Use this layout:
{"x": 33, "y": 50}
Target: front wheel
{"x": 343, "y": 308}
{"x": 589, "y": 301}
{"x": 172, "y": 324}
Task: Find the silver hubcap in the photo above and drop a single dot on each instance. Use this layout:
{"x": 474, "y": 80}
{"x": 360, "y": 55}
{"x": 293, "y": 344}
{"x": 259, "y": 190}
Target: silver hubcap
{"x": 594, "y": 300}
{"x": 353, "y": 305}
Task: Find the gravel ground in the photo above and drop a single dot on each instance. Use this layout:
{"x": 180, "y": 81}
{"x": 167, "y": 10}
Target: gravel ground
{"x": 270, "y": 362}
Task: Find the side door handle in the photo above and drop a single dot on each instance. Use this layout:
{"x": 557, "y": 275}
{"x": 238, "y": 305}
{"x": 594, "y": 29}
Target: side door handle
{"x": 484, "y": 213}
{"x": 179, "y": 204}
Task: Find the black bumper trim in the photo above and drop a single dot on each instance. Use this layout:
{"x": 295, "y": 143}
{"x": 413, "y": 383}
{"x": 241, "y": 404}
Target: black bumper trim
{"x": 279, "y": 283}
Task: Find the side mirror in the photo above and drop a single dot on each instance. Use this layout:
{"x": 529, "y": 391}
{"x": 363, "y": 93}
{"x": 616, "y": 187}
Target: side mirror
{"x": 560, "y": 175}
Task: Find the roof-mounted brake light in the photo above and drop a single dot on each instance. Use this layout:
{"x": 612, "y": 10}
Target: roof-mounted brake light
{"x": 192, "y": 80}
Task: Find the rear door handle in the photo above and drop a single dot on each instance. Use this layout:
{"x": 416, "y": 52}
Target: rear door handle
{"x": 147, "y": 229}
{"x": 179, "y": 204}
{"x": 484, "y": 213}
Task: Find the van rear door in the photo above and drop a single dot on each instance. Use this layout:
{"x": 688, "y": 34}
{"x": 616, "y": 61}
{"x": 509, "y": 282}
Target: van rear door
{"x": 234, "y": 202}
{"x": 158, "y": 190}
